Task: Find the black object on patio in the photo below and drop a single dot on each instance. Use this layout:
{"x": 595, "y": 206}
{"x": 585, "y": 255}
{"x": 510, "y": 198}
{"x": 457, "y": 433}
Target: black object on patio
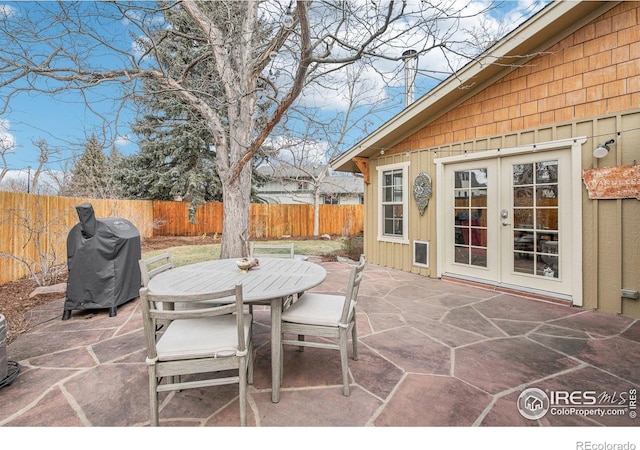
{"x": 102, "y": 258}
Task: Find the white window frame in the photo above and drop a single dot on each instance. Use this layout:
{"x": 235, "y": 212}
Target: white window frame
{"x": 404, "y": 239}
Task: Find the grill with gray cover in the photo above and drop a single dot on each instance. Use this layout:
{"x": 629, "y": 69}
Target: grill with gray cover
{"x": 102, "y": 258}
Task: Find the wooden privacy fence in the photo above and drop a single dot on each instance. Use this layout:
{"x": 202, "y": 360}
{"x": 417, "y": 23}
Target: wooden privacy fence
{"x": 267, "y": 220}
{"x": 33, "y": 225}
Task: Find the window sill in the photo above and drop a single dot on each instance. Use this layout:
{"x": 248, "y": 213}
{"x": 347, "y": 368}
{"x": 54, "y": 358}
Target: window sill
{"x": 393, "y": 240}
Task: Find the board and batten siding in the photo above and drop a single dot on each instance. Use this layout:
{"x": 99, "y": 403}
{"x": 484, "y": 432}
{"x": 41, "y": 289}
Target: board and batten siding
{"x": 610, "y": 228}
{"x": 587, "y": 84}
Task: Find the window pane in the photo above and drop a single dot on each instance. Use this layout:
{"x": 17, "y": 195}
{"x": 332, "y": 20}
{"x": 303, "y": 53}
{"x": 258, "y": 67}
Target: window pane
{"x": 523, "y": 218}
{"x": 397, "y": 193}
{"x": 522, "y": 242}
{"x": 479, "y": 178}
{"x": 547, "y": 172}
{"x": 523, "y": 196}
{"x": 547, "y": 219}
{"x": 547, "y": 195}
{"x": 479, "y": 257}
{"x": 387, "y": 195}
{"x": 462, "y": 255}
{"x": 548, "y": 267}
{"x": 522, "y": 174}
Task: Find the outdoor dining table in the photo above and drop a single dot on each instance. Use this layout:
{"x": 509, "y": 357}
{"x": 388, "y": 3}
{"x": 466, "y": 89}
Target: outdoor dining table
{"x": 273, "y": 280}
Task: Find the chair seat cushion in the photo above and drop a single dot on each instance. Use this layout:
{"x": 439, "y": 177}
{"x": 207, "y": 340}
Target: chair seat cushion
{"x": 315, "y": 309}
{"x": 201, "y": 338}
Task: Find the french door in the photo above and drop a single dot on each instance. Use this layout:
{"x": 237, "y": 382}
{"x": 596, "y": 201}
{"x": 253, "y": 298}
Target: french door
{"x": 508, "y": 221}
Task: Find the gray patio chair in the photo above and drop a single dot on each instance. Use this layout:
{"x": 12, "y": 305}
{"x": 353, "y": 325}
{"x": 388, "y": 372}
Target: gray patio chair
{"x": 259, "y": 250}
{"x": 326, "y": 316}
{"x": 210, "y": 338}
{"x": 151, "y": 267}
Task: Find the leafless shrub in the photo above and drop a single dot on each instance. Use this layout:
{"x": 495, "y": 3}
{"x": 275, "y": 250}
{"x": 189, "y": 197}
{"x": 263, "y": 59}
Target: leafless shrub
{"x": 46, "y": 236}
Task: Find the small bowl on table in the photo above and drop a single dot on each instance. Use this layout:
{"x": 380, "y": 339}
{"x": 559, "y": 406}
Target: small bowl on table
{"x": 244, "y": 264}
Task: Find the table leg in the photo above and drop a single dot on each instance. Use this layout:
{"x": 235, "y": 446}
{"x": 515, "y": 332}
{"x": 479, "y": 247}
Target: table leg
{"x": 276, "y": 348}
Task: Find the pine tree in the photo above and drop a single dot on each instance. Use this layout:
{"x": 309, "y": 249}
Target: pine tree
{"x": 90, "y": 176}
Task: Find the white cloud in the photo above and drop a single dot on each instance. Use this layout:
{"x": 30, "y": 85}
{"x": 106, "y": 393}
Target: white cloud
{"x": 7, "y": 140}
{"x": 299, "y": 152}
{"x": 7, "y": 11}
{"x": 122, "y": 141}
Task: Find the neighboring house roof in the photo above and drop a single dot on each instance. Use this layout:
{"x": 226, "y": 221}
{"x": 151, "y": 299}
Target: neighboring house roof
{"x": 291, "y": 172}
{"x": 550, "y": 25}
{"x": 331, "y": 184}
{"x": 339, "y": 184}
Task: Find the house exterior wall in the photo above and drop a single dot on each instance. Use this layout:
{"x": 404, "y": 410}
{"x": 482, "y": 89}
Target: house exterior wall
{"x": 588, "y": 84}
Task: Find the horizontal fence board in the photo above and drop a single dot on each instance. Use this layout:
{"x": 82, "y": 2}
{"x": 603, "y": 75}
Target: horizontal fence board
{"x": 28, "y": 221}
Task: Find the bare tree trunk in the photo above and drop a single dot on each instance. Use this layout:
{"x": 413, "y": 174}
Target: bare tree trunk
{"x": 316, "y": 210}
{"x": 236, "y": 194}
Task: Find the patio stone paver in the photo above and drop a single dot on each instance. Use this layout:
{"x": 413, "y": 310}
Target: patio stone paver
{"x": 26, "y": 391}
{"x": 93, "y": 390}
{"x": 374, "y": 373}
{"x": 432, "y": 353}
{"x": 449, "y": 335}
{"x": 505, "y": 306}
{"x": 632, "y": 332}
{"x": 411, "y": 350}
{"x": 75, "y": 358}
{"x": 501, "y": 364}
{"x": 468, "y": 318}
{"x": 595, "y": 323}
{"x": 52, "y": 410}
{"x": 330, "y": 407}
{"x": 425, "y": 401}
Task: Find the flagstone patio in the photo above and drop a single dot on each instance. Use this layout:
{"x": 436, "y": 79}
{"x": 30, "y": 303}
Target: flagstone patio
{"x": 432, "y": 353}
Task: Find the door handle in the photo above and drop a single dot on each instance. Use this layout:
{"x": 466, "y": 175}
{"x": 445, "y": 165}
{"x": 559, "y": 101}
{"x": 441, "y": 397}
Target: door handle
{"x": 505, "y": 223}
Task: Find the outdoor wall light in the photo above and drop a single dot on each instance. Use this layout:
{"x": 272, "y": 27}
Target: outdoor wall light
{"x": 602, "y": 150}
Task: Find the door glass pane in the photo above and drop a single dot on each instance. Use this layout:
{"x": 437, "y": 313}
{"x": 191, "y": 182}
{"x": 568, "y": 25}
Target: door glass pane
{"x": 523, "y": 218}
{"x": 535, "y": 219}
{"x": 470, "y": 221}
{"x": 547, "y": 172}
{"x": 522, "y": 174}
{"x": 547, "y": 219}
{"x": 523, "y": 196}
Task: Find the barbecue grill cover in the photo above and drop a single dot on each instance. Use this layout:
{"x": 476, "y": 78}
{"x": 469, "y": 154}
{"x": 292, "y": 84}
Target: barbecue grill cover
{"x": 102, "y": 258}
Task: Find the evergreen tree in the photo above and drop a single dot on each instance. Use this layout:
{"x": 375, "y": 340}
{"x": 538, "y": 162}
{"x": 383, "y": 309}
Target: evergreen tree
{"x": 90, "y": 175}
{"x": 177, "y": 157}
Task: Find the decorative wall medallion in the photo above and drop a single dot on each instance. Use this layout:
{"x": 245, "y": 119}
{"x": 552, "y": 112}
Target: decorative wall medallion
{"x": 422, "y": 191}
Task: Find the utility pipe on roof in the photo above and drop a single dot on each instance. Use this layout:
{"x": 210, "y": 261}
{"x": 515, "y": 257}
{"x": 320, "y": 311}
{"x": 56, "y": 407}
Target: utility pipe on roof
{"x": 410, "y": 62}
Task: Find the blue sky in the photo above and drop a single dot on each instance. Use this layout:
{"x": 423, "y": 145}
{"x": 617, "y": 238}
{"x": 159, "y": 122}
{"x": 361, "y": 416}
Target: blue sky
{"x": 65, "y": 122}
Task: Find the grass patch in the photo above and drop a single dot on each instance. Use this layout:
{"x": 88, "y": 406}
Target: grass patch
{"x": 190, "y": 254}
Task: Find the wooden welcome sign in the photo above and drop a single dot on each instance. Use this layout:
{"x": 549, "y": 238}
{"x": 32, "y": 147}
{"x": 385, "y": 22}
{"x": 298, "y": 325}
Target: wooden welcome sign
{"x": 612, "y": 182}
